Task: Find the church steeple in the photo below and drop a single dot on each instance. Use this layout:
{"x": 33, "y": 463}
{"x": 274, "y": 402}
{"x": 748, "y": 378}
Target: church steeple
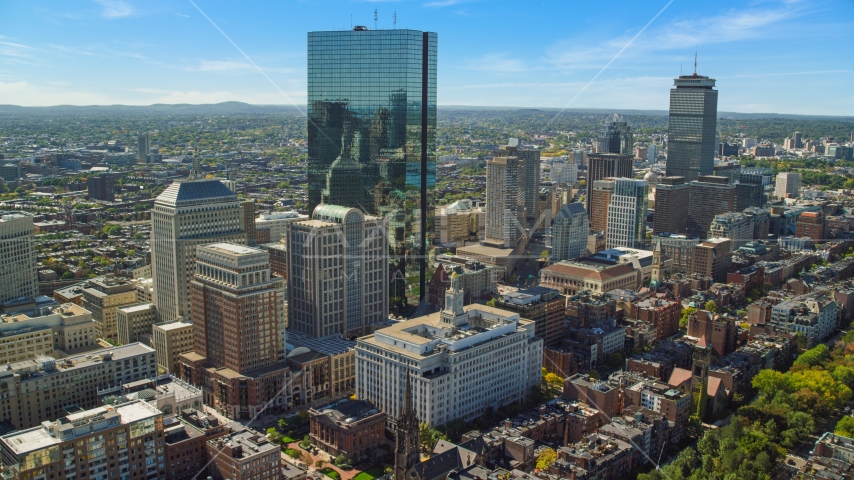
{"x": 407, "y": 440}
{"x": 700, "y": 375}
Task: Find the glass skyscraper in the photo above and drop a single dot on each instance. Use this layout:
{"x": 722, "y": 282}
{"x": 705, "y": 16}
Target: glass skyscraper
{"x": 615, "y": 136}
{"x": 691, "y": 131}
{"x": 372, "y": 128}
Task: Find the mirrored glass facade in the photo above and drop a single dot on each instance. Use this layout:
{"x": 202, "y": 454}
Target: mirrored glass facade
{"x": 691, "y": 131}
{"x": 371, "y": 140}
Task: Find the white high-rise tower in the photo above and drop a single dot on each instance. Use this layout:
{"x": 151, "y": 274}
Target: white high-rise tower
{"x": 18, "y": 277}
{"x": 191, "y": 212}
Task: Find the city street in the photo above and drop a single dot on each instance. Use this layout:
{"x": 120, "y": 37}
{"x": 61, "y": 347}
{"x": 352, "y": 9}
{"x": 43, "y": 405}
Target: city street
{"x": 527, "y": 270}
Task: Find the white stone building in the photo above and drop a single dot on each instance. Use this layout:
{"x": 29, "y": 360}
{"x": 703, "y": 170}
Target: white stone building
{"x": 18, "y": 276}
{"x": 564, "y": 172}
{"x": 461, "y": 361}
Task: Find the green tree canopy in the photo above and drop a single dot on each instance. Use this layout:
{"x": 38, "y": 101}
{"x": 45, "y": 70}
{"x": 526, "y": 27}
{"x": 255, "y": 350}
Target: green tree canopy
{"x": 814, "y": 356}
{"x": 711, "y": 306}
{"x": 845, "y": 426}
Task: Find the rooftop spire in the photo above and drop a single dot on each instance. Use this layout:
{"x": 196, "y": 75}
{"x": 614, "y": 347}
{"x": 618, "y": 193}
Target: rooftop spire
{"x": 695, "y": 60}
{"x": 407, "y": 398}
{"x": 197, "y": 172}
{"x": 407, "y": 440}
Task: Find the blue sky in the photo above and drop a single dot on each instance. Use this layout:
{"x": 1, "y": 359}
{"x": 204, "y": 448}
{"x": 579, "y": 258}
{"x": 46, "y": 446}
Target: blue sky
{"x": 768, "y": 56}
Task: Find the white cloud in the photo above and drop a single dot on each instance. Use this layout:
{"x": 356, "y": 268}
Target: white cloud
{"x": 182, "y": 15}
{"x": 95, "y": 51}
{"x": 496, "y": 62}
{"x": 14, "y": 87}
{"x": 627, "y": 93}
{"x": 730, "y": 26}
{"x": 63, "y": 48}
{"x": 16, "y": 45}
{"x": 9, "y": 49}
{"x": 236, "y": 66}
{"x": 221, "y": 66}
{"x": 684, "y": 34}
{"x": 132, "y": 55}
{"x": 115, "y": 8}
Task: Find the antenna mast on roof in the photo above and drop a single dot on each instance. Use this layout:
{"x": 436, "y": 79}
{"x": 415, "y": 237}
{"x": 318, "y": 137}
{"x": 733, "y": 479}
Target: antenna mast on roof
{"x": 695, "y": 60}
{"x": 375, "y": 19}
{"x": 395, "y": 19}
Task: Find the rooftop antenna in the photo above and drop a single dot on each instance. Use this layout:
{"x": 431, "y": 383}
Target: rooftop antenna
{"x": 351, "y": 21}
{"x": 395, "y": 19}
{"x": 695, "y": 60}
{"x": 375, "y": 19}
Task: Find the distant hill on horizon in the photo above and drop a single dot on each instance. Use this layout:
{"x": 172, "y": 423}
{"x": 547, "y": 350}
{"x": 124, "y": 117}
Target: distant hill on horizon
{"x": 235, "y": 108}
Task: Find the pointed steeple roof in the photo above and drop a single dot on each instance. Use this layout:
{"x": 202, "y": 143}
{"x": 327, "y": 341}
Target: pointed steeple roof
{"x": 407, "y": 399}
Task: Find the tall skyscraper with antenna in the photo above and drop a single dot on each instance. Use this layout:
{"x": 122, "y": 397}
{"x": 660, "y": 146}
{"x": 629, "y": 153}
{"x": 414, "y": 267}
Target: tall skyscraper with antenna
{"x": 692, "y": 126}
{"x": 372, "y": 122}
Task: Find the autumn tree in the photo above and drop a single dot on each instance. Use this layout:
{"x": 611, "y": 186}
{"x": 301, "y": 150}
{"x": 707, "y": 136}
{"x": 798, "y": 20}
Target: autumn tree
{"x": 546, "y": 458}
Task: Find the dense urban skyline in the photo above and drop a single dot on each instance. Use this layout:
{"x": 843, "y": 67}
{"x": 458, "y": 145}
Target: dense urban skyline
{"x": 127, "y": 52}
{"x": 243, "y": 292}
